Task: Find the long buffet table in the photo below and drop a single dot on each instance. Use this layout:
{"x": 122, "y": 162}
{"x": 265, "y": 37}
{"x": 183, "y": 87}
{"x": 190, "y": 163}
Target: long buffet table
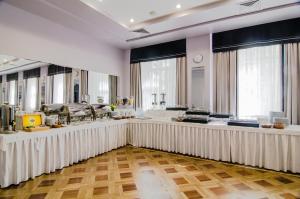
{"x": 26, "y": 155}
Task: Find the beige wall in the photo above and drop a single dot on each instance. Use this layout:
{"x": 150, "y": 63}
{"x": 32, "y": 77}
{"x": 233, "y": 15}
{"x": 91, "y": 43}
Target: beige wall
{"x": 200, "y": 45}
{"x": 25, "y": 35}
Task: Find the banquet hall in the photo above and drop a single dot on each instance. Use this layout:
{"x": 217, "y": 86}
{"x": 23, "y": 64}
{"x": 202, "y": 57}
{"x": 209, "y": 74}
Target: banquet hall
{"x": 140, "y": 99}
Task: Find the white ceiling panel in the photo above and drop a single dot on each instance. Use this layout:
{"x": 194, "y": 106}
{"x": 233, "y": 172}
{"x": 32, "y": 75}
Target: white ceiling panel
{"x": 122, "y": 11}
{"x": 101, "y": 19}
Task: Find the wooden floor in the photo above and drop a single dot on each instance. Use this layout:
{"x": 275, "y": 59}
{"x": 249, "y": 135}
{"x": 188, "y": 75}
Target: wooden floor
{"x": 141, "y": 173}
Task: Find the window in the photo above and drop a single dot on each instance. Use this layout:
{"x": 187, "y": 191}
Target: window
{"x": 31, "y": 94}
{"x": 12, "y": 95}
{"x": 98, "y": 86}
{"x": 259, "y": 88}
{"x": 58, "y": 88}
{"x": 158, "y": 77}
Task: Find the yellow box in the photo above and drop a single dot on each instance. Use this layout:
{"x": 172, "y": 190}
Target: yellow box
{"x": 32, "y": 120}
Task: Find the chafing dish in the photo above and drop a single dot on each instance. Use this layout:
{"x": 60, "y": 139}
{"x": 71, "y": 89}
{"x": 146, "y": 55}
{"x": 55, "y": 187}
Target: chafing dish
{"x": 68, "y": 113}
{"x": 80, "y": 112}
{"x": 100, "y": 110}
{"x": 61, "y": 110}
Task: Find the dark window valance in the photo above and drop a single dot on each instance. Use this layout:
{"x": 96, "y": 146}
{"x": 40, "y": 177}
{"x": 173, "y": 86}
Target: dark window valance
{"x": 36, "y": 72}
{"x": 12, "y": 77}
{"x": 271, "y": 33}
{"x": 55, "y": 70}
{"x": 160, "y": 51}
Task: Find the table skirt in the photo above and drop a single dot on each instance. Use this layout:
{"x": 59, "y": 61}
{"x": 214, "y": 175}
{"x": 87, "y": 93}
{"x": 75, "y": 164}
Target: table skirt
{"x": 265, "y": 148}
{"x": 186, "y": 139}
{"x": 26, "y": 155}
{"x": 41, "y": 153}
{"x": 280, "y": 152}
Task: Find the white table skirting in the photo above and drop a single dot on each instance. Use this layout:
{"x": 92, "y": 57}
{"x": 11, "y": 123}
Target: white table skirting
{"x": 26, "y": 155}
{"x": 265, "y": 148}
{"x": 276, "y": 151}
{"x": 189, "y": 139}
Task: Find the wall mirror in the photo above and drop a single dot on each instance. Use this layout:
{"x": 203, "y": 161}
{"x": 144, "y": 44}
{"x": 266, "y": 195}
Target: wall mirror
{"x": 29, "y": 84}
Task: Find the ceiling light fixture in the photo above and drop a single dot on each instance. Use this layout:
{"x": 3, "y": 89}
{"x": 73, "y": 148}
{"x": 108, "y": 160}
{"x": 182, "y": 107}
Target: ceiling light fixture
{"x": 178, "y": 6}
{"x": 152, "y": 13}
{"x": 131, "y": 20}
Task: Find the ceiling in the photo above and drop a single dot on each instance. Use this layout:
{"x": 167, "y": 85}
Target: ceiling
{"x": 141, "y": 10}
{"x": 109, "y": 21}
{"x": 10, "y": 64}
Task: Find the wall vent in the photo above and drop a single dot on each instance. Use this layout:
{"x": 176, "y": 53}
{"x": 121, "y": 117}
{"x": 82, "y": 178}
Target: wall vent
{"x": 142, "y": 30}
{"x": 249, "y": 6}
{"x": 249, "y": 3}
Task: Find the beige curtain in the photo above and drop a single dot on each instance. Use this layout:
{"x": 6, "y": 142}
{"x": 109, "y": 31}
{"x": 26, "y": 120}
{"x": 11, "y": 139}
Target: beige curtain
{"x": 39, "y": 95}
{"x": 20, "y": 95}
{"x": 181, "y": 81}
{"x": 25, "y": 84}
{"x": 291, "y": 82}
{"x": 84, "y": 83}
{"x": 224, "y": 82}
{"x": 49, "y": 90}
{"x": 1, "y": 94}
{"x": 68, "y": 98}
{"x": 113, "y": 88}
{"x": 6, "y": 92}
{"x": 136, "y": 84}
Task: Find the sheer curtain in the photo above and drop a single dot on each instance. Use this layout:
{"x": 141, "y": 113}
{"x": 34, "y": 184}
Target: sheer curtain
{"x": 12, "y": 94}
{"x": 31, "y": 94}
{"x": 259, "y": 81}
{"x": 158, "y": 77}
{"x": 58, "y": 88}
{"x": 98, "y": 86}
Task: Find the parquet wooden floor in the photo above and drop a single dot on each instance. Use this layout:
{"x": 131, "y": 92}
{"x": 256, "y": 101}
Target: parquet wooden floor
{"x": 142, "y": 173}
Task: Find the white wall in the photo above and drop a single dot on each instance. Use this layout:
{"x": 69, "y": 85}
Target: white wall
{"x": 200, "y": 45}
{"x": 29, "y": 36}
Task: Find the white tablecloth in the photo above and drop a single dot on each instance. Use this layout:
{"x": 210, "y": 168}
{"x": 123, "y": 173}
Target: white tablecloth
{"x": 27, "y": 155}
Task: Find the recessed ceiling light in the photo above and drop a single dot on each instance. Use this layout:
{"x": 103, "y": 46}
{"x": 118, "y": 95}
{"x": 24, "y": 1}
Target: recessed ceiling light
{"x": 152, "y": 13}
{"x": 131, "y": 20}
{"x": 178, "y": 6}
